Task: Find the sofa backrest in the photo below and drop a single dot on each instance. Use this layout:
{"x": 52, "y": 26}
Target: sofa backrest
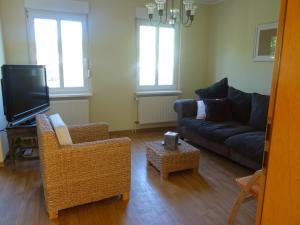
{"x": 240, "y": 104}
{"x": 250, "y": 108}
{"x": 259, "y": 111}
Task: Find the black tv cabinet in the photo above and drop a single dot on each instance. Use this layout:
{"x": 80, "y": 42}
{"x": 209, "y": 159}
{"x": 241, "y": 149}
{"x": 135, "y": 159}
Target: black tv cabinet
{"x": 15, "y": 133}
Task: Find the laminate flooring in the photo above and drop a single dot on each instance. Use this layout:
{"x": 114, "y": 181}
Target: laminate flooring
{"x": 183, "y": 199}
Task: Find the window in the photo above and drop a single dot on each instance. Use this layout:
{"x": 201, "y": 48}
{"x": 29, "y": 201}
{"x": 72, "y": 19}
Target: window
{"x": 157, "y": 57}
{"x": 59, "y": 42}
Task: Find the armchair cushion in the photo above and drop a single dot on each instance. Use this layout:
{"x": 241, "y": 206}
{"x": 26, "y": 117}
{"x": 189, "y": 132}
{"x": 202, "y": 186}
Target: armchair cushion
{"x": 61, "y": 130}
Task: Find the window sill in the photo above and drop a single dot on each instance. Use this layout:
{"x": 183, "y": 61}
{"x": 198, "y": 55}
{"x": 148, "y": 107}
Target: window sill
{"x": 79, "y": 95}
{"x": 157, "y": 93}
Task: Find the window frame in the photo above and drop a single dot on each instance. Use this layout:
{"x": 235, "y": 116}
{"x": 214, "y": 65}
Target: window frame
{"x": 58, "y": 16}
{"x": 157, "y": 87}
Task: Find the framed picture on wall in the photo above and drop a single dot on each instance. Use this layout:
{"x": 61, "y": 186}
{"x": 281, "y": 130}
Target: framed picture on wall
{"x": 266, "y": 38}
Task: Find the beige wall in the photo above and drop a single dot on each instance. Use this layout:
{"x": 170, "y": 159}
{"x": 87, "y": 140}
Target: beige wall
{"x": 14, "y": 31}
{"x": 220, "y": 43}
{"x": 112, "y": 55}
{"x": 113, "y": 60}
{"x": 231, "y": 43}
{"x": 194, "y": 49}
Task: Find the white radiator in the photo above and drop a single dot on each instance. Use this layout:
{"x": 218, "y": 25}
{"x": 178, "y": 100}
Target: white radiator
{"x": 156, "y": 109}
{"x": 72, "y": 111}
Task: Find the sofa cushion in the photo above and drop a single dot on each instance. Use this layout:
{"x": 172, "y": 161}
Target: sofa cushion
{"x": 249, "y": 145}
{"x": 215, "y": 131}
{"x": 217, "y": 90}
{"x": 201, "y": 110}
{"x": 185, "y": 108}
{"x": 61, "y": 130}
{"x": 240, "y": 104}
{"x": 218, "y": 110}
{"x": 259, "y": 111}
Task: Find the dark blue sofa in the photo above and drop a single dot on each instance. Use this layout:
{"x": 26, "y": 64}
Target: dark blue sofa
{"x": 241, "y": 138}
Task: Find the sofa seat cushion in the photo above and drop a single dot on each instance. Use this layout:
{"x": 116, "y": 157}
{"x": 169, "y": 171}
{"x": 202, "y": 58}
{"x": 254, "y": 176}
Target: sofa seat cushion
{"x": 215, "y": 131}
{"x": 249, "y": 145}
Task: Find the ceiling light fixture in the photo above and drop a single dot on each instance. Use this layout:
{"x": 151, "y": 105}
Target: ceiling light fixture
{"x": 169, "y": 14}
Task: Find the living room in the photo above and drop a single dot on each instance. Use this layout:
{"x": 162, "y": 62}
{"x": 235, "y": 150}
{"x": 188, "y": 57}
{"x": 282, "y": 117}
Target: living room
{"x": 127, "y": 91}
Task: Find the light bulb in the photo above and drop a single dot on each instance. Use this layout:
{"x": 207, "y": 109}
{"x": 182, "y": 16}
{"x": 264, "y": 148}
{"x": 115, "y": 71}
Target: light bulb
{"x": 172, "y": 21}
{"x": 174, "y": 12}
{"x": 194, "y": 9}
{"x": 160, "y": 4}
{"x": 188, "y": 4}
{"x": 151, "y": 7}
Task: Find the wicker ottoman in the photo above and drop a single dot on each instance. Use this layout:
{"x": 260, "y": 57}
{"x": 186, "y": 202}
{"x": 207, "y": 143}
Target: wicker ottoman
{"x": 166, "y": 161}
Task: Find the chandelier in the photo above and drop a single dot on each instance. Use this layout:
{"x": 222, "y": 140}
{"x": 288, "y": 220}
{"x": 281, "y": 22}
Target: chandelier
{"x": 169, "y": 14}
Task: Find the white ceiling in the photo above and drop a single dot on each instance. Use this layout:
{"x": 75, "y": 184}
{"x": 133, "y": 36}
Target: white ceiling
{"x": 210, "y": 2}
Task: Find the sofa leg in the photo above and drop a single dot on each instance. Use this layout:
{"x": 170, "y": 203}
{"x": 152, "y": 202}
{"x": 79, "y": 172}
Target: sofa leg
{"x": 53, "y": 214}
{"x": 125, "y": 196}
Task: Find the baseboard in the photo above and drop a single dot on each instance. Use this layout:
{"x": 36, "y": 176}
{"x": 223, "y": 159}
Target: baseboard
{"x": 142, "y": 130}
{"x": 121, "y": 133}
{"x": 153, "y": 129}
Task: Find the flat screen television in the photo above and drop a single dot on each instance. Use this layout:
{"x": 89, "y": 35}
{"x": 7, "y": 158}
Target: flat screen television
{"x": 25, "y": 92}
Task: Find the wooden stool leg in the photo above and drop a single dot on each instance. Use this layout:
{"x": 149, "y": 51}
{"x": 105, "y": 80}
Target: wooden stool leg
{"x": 236, "y": 207}
{"x": 53, "y": 214}
{"x": 125, "y": 196}
{"x": 164, "y": 175}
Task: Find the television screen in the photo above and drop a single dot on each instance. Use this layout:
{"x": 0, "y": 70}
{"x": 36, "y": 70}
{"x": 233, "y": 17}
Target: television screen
{"x": 25, "y": 91}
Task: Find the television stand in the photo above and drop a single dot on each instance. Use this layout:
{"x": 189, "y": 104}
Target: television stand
{"x": 22, "y": 137}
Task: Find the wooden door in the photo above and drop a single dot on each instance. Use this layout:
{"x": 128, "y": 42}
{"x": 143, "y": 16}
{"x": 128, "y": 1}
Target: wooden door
{"x": 281, "y": 205}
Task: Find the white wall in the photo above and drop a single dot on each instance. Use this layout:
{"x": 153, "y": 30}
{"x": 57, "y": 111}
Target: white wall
{"x": 3, "y": 137}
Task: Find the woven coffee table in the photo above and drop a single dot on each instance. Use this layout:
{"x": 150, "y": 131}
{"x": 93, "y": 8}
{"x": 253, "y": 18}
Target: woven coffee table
{"x": 166, "y": 161}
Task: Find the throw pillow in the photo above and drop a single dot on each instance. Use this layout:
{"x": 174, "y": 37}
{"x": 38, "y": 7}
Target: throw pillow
{"x": 215, "y": 91}
{"x": 240, "y": 104}
{"x": 259, "y": 111}
{"x": 61, "y": 130}
{"x": 201, "y": 110}
{"x": 218, "y": 110}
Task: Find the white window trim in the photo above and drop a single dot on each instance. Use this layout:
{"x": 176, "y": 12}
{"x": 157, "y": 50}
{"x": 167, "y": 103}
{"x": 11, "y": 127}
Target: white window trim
{"x": 70, "y": 6}
{"x": 31, "y": 14}
{"x": 156, "y": 87}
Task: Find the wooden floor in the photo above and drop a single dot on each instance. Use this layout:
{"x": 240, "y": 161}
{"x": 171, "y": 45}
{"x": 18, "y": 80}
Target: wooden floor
{"x": 185, "y": 198}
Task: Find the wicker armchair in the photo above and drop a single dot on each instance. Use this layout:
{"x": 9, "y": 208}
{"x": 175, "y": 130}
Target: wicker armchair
{"x": 91, "y": 169}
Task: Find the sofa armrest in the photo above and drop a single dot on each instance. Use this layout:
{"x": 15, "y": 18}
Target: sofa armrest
{"x": 185, "y": 108}
{"x": 89, "y": 132}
